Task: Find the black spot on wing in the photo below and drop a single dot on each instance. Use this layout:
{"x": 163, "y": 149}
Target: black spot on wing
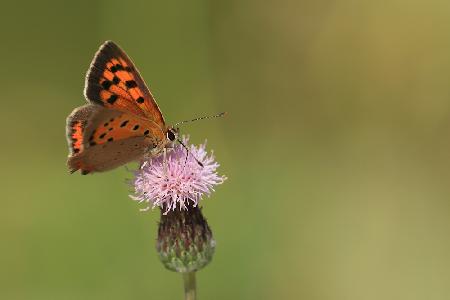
{"x": 116, "y": 68}
{"x": 106, "y": 84}
{"x": 112, "y": 99}
{"x": 130, "y": 84}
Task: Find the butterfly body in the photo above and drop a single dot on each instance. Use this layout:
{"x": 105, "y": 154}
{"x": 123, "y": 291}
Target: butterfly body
{"x": 121, "y": 122}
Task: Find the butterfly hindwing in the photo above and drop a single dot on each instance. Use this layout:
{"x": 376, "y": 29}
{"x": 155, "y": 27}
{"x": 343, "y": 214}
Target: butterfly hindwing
{"x": 114, "y": 82}
{"x": 75, "y": 127}
{"x": 102, "y": 139}
{"x": 109, "y": 156}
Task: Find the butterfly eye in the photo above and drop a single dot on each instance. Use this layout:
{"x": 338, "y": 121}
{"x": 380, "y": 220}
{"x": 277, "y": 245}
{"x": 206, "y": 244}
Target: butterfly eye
{"x": 170, "y": 135}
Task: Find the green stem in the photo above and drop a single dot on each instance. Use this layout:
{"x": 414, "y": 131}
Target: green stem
{"x": 190, "y": 290}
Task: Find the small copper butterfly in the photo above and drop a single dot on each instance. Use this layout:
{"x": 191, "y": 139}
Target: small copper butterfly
{"x": 121, "y": 122}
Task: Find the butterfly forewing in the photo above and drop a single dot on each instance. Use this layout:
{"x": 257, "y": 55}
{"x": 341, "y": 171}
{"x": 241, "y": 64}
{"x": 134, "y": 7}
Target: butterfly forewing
{"x": 114, "y": 82}
{"x": 107, "y": 125}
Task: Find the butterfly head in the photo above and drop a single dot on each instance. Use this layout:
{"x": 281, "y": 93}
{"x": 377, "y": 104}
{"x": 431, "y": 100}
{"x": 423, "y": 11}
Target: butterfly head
{"x": 172, "y": 133}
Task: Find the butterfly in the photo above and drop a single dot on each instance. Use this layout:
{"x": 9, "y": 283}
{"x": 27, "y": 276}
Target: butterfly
{"x": 121, "y": 122}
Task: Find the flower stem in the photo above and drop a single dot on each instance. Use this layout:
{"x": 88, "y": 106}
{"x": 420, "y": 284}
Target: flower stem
{"x": 190, "y": 290}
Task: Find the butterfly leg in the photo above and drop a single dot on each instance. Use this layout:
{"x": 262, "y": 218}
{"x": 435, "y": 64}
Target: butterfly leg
{"x": 165, "y": 161}
{"x": 144, "y": 164}
{"x": 185, "y": 159}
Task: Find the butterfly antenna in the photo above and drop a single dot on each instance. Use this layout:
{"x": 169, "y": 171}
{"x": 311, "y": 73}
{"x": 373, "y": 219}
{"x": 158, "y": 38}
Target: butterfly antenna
{"x": 187, "y": 150}
{"x": 201, "y": 118}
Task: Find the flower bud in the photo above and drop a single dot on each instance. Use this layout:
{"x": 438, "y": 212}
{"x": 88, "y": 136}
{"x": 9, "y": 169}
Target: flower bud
{"x": 185, "y": 241}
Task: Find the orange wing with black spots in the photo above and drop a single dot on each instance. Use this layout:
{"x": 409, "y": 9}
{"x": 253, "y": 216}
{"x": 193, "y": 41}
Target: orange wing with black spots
{"x": 114, "y": 82}
{"x": 107, "y": 125}
{"x": 101, "y": 139}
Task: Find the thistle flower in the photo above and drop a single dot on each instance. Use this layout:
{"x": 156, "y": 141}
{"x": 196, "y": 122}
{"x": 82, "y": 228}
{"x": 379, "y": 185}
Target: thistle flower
{"x": 178, "y": 181}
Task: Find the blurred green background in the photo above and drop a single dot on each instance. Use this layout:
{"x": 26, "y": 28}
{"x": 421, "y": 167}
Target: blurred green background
{"x": 336, "y": 147}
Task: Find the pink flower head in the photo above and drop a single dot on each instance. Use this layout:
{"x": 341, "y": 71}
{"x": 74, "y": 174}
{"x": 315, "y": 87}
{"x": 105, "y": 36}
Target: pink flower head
{"x": 178, "y": 180}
